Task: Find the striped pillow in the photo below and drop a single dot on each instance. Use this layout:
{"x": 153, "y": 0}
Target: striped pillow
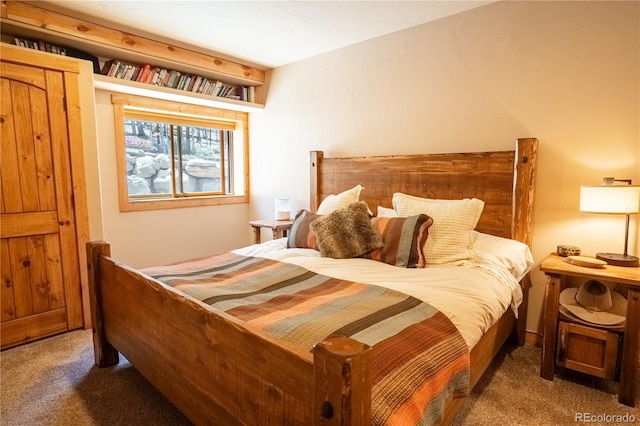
{"x": 403, "y": 239}
{"x": 300, "y": 235}
{"x": 453, "y": 220}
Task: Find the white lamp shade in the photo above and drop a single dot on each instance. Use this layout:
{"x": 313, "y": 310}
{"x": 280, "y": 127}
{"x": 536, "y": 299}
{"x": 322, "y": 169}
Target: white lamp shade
{"x": 621, "y": 199}
{"x": 283, "y": 211}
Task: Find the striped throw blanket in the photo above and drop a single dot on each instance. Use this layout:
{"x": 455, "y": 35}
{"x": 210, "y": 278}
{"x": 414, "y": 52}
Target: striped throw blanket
{"x": 420, "y": 360}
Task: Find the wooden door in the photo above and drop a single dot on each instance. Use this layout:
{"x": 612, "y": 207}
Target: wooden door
{"x": 41, "y": 274}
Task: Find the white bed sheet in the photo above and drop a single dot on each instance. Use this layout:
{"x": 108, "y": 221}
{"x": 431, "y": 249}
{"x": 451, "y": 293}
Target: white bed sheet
{"x": 473, "y": 297}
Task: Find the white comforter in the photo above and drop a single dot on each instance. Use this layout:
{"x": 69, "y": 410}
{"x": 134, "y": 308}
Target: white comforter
{"x": 473, "y": 297}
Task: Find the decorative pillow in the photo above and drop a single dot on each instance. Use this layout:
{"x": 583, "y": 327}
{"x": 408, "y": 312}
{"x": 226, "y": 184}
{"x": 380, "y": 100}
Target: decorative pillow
{"x": 346, "y": 232}
{"x": 300, "y": 234}
{"x": 403, "y": 239}
{"x": 450, "y": 239}
{"x": 339, "y": 201}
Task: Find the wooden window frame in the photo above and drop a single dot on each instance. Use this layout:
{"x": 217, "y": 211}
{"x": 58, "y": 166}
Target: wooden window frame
{"x": 193, "y": 113}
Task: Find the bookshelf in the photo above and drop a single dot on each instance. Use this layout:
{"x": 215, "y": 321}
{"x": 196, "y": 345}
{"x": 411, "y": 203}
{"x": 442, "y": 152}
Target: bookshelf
{"x": 165, "y": 93}
{"x": 29, "y": 22}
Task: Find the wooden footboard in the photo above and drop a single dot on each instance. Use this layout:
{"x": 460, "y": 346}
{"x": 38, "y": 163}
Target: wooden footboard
{"x": 216, "y": 369}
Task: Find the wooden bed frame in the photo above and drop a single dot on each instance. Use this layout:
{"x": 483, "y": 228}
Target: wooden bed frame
{"x": 219, "y": 370}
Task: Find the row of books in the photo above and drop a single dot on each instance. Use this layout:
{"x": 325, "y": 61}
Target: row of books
{"x": 58, "y": 50}
{"x": 40, "y": 45}
{"x": 174, "y": 79}
{"x": 148, "y": 74}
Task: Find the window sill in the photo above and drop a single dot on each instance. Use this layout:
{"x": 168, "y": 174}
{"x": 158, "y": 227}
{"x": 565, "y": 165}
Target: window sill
{"x": 176, "y": 203}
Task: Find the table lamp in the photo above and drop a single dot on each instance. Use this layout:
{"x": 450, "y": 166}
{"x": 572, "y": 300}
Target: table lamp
{"x": 612, "y": 198}
{"x": 283, "y": 211}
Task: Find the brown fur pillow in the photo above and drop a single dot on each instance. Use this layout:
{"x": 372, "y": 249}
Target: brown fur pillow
{"x": 346, "y": 232}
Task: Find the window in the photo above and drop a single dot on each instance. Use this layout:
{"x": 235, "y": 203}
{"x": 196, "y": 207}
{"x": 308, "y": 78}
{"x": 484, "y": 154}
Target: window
{"x": 172, "y": 154}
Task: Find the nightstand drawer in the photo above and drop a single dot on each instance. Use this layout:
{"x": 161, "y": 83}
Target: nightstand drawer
{"x": 589, "y": 350}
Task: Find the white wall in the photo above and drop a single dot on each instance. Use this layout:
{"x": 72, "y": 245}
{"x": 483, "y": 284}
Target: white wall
{"x": 565, "y": 72}
{"x": 160, "y": 236}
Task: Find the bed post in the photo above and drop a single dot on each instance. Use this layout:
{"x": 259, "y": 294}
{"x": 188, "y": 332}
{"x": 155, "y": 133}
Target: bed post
{"x": 520, "y": 331}
{"x": 105, "y": 354}
{"x": 314, "y": 167}
{"x": 522, "y": 225}
{"x": 524, "y": 189}
{"x": 342, "y": 382}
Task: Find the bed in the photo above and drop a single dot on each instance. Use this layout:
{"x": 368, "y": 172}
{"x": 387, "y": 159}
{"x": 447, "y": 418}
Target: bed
{"x": 220, "y": 369}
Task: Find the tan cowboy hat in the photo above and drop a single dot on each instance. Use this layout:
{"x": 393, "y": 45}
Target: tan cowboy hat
{"x": 566, "y": 314}
{"x": 595, "y": 303}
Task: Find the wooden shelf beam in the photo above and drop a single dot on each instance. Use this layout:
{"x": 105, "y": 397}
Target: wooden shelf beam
{"x": 104, "y": 41}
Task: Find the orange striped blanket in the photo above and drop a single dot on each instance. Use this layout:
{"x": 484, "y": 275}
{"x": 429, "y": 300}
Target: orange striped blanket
{"x": 420, "y": 360}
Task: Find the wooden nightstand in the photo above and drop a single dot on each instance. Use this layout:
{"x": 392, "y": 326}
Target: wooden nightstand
{"x": 557, "y": 272}
{"x": 279, "y": 228}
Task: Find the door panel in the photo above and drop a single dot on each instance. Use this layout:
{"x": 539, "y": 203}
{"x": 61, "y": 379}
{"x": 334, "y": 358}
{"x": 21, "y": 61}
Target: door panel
{"x": 11, "y": 199}
{"x": 8, "y": 311}
{"x": 21, "y": 283}
{"x": 41, "y": 288}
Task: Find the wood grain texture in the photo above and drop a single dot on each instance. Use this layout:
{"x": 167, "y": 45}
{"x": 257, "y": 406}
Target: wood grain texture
{"x": 555, "y": 285}
{"x": 104, "y": 39}
{"x": 67, "y": 189}
{"x": 205, "y": 361}
{"x": 105, "y": 354}
{"x": 80, "y": 315}
{"x": 343, "y": 367}
{"x": 43, "y": 217}
{"x": 557, "y": 271}
{"x": 630, "y": 350}
{"x": 8, "y": 311}
{"x": 556, "y": 265}
{"x": 24, "y": 56}
{"x": 590, "y": 350}
{"x": 504, "y": 180}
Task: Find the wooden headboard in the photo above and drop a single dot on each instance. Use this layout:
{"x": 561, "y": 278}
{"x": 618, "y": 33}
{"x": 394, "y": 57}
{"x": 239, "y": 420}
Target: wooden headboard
{"x": 504, "y": 180}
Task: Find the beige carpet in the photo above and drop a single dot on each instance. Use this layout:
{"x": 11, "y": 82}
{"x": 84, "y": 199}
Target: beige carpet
{"x": 54, "y": 382}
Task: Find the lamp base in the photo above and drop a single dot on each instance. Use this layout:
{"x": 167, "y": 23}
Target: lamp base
{"x": 618, "y": 259}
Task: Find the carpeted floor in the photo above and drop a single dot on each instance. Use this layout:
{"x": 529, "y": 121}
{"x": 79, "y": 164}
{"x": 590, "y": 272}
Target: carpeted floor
{"x": 54, "y": 382}
{"x": 511, "y": 392}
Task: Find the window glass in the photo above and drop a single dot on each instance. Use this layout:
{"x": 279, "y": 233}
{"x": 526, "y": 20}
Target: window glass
{"x": 175, "y": 160}
{"x": 166, "y": 156}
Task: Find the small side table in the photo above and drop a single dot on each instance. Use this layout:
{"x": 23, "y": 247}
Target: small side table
{"x": 557, "y": 271}
{"x": 279, "y": 228}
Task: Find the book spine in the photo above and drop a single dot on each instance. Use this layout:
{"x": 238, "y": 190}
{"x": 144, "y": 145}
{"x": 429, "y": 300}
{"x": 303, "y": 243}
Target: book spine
{"x": 173, "y": 75}
{"x": 113, "y": 69}
{"x": 137, "y": 69}
{"x": 107, "y": 67}
{"x": 144, "y": 72}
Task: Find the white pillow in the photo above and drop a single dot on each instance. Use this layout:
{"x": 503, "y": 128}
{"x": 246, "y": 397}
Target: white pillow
{"x": 386, "y": 212}
{"x": 450, "y": 240}
{"x": 341, "y": 200}
{"x": 512, "y": 254}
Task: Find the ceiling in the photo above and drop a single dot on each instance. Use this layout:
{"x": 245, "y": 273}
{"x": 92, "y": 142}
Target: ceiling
{"x": 265, "y": 33}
